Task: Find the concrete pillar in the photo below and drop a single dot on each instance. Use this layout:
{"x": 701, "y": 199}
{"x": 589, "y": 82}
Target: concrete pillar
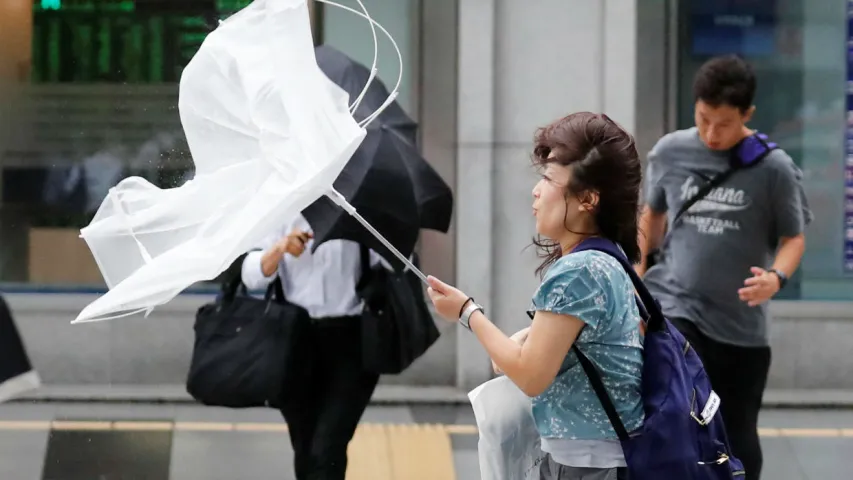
{"x": 475, "y": 195}
{"x": 522, "y": 65}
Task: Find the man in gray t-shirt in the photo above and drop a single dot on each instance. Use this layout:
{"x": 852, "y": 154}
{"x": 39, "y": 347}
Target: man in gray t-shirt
{"x": 736, "y": 227}
{"x": 731, "y": 251}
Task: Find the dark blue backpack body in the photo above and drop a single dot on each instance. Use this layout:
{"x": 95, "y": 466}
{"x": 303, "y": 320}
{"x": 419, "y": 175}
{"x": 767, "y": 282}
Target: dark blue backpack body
{"x": 683, "y": 436}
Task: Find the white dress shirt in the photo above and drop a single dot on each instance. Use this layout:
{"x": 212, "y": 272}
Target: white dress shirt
{"x": 322, "y": 282}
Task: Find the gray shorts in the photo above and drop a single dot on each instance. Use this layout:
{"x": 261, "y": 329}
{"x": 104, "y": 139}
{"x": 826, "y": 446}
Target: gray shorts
{"x": 551, "y": 470}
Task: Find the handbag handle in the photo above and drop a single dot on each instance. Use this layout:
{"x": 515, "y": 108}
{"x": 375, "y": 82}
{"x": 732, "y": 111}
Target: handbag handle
{"x": 275, "y": 290}
{"x": 234, "y": 282}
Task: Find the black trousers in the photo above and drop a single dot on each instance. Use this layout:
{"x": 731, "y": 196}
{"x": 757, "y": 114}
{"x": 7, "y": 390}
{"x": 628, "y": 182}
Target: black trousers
{"x": 739, "y": 376}
{"x": 323, "y": 412}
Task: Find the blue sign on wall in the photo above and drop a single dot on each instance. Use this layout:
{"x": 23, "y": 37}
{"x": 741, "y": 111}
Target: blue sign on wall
{"x": 848, "y": 159}
{"x": 744, "y": 27}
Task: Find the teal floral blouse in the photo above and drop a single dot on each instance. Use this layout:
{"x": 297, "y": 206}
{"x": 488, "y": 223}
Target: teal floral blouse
{"x": 593, "y": 287}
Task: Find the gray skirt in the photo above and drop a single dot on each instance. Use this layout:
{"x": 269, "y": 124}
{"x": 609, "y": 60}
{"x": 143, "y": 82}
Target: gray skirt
{"x": 551, "y": 470}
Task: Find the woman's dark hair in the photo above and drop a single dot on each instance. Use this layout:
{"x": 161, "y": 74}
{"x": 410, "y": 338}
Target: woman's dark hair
{"x": 602, "y": 157}
{"x": 727, "y": 80}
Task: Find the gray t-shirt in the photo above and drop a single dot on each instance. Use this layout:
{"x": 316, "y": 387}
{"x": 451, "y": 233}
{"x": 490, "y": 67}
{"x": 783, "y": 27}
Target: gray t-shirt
{"x": 736, "y": 226}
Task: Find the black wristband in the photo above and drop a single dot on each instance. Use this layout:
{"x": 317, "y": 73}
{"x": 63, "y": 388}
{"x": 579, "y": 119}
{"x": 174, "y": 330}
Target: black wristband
{"x": 783, "y": 279}
{"x": 464, "y": 304}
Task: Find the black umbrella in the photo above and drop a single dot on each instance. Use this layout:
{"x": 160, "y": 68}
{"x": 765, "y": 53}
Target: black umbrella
{"x": 386, "y": 180}
{"x": 352, "y": 77}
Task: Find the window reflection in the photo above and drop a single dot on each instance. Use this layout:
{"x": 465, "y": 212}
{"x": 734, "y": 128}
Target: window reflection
{"x": 88, "y": 96}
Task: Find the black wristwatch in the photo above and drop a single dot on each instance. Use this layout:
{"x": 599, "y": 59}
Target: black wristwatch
{"x": 783, "y": 279}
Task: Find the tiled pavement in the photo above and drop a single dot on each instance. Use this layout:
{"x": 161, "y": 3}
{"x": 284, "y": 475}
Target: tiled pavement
{"x": 186, "y": 442}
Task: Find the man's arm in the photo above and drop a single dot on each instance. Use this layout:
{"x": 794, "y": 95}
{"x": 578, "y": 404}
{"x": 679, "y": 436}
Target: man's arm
{"x": 790, "y": 254}
{"x": 652, "y": 230}
{"x": 256, "y": 271}
{"x": 652, "y": 225}
{"x": 790, "y": 216}
{"x": 260, "y": 266}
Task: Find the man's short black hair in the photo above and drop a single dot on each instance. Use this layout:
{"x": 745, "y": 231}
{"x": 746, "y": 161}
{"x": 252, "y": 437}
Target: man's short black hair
{"x": 727, "y": 80}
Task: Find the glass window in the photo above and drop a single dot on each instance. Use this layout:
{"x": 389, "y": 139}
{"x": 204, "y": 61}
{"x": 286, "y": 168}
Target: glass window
{"x": 350, "y": 33}
{"x": 798, "y": 49}
{"x": 90, "y": 87}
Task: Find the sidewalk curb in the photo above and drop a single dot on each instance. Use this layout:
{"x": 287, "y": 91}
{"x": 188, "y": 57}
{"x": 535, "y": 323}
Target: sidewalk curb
{"x": 808, "y": 399}
{"x": 177, "y": 394}
{"x": 384, "y": 395}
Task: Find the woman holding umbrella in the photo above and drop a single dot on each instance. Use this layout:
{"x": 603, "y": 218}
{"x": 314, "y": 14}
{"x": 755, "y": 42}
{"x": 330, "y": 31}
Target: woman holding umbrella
{"x": 589, "y": 188}
{"x": 323, "y": 413}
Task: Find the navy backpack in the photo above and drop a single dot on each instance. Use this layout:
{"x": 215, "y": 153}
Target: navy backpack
{"x": 683, "y": 436}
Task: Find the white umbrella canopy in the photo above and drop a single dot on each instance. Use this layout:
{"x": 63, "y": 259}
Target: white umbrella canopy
{"x": 269, "y": 134}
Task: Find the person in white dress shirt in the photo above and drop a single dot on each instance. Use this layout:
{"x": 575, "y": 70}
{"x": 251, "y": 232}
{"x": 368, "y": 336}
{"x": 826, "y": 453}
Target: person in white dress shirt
{"x": 323, "y": 415}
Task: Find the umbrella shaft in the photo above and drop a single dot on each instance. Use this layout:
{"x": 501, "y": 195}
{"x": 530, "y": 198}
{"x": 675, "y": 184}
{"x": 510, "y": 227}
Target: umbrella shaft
{"x": 391, "y": 247}
{"x": 342, "y": 202}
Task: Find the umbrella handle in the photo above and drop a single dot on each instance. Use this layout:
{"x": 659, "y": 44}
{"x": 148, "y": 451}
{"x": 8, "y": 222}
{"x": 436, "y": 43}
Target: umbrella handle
{"x": 342, "y": 202}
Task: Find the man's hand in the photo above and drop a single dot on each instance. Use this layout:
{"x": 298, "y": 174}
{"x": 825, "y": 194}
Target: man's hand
{"x": 518, "y": 337}
{"x": 760, "y": 287}
{"x": 293, "y": 243}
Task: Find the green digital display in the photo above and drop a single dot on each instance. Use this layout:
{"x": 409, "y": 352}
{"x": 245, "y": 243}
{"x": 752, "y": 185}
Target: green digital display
{"x": 85, "y": 41}
{"x": 51, "y": 4}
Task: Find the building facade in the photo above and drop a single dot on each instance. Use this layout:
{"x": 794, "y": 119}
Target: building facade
{"x": 479, "y": 76}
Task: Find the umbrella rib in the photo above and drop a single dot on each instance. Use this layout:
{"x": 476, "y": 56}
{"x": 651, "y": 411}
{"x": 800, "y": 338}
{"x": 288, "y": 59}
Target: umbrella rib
{"x": 373, "y": 68}
{"x": 396, "y": 90}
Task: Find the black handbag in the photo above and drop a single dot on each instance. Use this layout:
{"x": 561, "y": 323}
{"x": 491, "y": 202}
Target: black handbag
{"x": 248, "y": 351}
{"x": 397, "y": 326}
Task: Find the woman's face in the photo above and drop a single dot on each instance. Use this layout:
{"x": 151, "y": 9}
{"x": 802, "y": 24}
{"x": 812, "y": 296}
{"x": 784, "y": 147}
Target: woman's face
{"x": 555, "y": 212}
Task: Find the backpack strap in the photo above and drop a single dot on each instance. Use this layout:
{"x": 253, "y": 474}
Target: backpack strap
{"x": 748, "y": 153}
{"x": 647, "y": 301}
{"x": 601, "y": 392}
{"x": 715, "y": 182}
{"x": 655, "y": 323}
{"x": 752, "y": 150}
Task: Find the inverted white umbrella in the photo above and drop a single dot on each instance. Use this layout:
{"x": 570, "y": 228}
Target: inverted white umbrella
{"x": 269, "y": 134}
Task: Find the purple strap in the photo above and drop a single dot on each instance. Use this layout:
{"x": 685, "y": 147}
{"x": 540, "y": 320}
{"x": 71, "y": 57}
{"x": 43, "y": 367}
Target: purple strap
{"x": 753, "y": 148}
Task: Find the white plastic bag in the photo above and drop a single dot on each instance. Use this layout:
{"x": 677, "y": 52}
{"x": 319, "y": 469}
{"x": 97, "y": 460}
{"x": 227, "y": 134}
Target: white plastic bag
{"x": 509, "y": 446}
